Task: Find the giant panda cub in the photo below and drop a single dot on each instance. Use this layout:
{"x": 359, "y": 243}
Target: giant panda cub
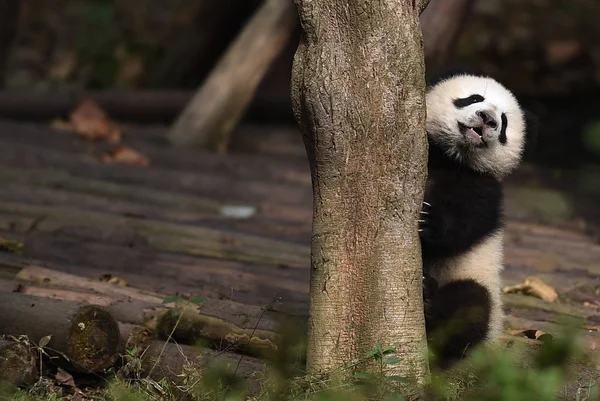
{"x": 477, "y": 134}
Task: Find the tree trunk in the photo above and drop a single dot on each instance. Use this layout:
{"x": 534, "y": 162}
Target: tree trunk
{"x": 358, "y": 94}
{"x": 216, "y": 109}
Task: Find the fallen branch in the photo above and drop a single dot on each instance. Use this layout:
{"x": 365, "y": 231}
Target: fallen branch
{"x": 18, "y": 363}
{"x": 82, "y": 337}
{"x": 216, "y": 109}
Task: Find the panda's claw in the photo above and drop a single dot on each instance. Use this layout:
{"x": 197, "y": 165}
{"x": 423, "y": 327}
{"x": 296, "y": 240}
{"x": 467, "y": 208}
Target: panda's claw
{"x": 427, "y": 203}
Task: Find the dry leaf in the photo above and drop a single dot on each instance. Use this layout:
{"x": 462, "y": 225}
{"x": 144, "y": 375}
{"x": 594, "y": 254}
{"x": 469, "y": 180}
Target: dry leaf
{"x": 594, "y": 304}
{"x": 123, "y": 154}
{"x": 64, "y": 378}
{"x": 530, "y": 333}
{"x": 91, "y": 122}
{"x": 534, "y": 286}
{"x": 591, "y": 328}
{"x": 109, "y": 278}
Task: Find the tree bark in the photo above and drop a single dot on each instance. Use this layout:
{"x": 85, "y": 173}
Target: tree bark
{"x": 85, "y": 338}
{"x": 358, "y": 94}
{"x": 216, "y": 109}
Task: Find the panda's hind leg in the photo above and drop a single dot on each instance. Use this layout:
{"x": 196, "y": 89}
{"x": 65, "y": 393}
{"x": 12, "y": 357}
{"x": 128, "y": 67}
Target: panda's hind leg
{"x": 457, "y": 317}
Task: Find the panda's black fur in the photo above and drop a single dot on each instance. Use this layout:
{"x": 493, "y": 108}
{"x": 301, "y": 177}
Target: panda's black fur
{"x": 477, "y": 134}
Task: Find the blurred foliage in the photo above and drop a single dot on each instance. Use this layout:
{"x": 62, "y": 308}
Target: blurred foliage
{"x": 591, "y": 137}
{"x": 546, "y": 205}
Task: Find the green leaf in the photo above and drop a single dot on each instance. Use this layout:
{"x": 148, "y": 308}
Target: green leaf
{"x": 172, "y": 299}
{"x": 197, "y": 300}
{"x": 363, "y": 376}
{"x": 45, "y": 341}
{"x": 388, "y": 350}
{"x": 372, "y": 353}
{"x": 392, "y": 360}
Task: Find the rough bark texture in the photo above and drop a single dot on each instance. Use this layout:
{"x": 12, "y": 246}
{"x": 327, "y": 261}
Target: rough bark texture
{"x": 215, "y": 111}
{"x": 358, "y": 93}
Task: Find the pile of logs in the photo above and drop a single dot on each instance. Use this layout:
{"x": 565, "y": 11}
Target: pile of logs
{"x": 88, "y": 326}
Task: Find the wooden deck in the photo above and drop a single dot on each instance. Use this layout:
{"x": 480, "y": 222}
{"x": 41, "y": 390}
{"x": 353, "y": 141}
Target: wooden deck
{"x": 167, "y": 228}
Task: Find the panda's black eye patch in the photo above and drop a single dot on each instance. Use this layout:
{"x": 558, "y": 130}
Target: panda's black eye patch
{"x": 466, "y": 101}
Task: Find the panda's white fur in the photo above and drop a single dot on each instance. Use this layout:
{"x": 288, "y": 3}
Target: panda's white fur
{"x": 442, "y": 116}
{"x": 477, "y": 133}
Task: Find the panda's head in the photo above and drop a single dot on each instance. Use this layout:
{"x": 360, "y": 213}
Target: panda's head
{"x": 478, "y": 122}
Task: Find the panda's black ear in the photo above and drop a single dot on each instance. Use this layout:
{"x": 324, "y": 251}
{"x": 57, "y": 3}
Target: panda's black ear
{"x": 532, "y": 123}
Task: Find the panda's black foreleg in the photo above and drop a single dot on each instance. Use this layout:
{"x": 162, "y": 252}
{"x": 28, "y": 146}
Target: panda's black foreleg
{"x": 457, "y": 318}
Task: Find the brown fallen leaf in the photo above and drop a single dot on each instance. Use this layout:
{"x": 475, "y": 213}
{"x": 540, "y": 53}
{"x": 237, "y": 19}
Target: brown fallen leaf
{"x": 64, "y": 378}
{"x": 123, "y": 154}
{"x": 109, "y": 278}
{"x": 533, "y": 286}
{"x": 92, "y": 123}
{"x": 593, "y": 304}
{"x": 529, "y": 333}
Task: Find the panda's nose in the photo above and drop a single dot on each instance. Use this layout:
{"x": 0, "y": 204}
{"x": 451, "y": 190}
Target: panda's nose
{"x": 487, "y": 118}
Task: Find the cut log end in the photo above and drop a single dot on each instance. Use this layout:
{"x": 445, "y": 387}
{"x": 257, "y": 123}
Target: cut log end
{"x": 94, "y": 339}
{"x": 18, "y": 363}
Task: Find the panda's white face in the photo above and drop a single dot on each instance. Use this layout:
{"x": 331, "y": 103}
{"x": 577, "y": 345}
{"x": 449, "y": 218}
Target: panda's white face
{"x": 477, "y": 121}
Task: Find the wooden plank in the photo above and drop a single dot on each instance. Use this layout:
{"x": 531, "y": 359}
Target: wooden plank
{"x": 165, "y": 236}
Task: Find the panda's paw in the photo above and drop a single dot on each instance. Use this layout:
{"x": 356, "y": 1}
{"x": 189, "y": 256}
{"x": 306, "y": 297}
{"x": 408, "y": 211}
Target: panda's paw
{"x": 425, "y": 220}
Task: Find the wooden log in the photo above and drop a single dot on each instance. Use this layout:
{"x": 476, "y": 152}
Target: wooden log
{"x": 216, "y": 109}
{"x": 18, "y": 363}
{"x": 228, "y": 323}
{"x": 84, "y": 338}
{"x": 143, "y": 106}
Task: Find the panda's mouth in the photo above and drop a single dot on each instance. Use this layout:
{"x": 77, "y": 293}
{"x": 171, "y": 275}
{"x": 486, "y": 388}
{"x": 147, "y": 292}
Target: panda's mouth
{"x": 473, "y": 135}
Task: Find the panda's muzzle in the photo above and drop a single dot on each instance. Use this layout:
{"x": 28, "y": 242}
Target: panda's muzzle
{"x": 473, "y": 135}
